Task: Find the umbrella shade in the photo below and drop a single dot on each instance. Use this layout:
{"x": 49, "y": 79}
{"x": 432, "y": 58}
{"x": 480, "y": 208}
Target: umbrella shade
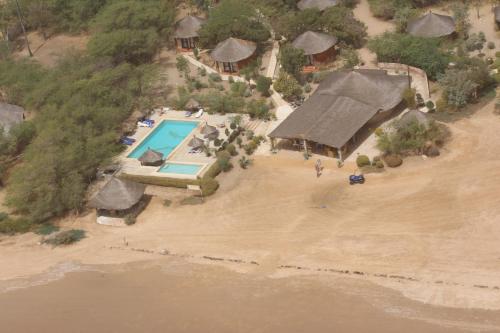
{"x": 192, "y": 104}
{"x": 151, "y": 157}
{"x": 212, "y": 136}
{"x": 207, "y": 129}
{"x": 196, "y": 142}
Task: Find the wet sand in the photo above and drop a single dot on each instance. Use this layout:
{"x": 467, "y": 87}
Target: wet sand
{"x": 175, "y": 296}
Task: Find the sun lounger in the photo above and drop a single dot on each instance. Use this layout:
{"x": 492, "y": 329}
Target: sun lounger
{"x": 199, "y": 114}
{"x": 187, "y": 114}
{"x": 127, "y": 141}
{"x": 144, "y": 124}
{"x": 195, "y": 151}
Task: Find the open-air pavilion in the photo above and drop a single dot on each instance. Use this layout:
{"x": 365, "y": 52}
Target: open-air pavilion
{"x": 345, "y": 103}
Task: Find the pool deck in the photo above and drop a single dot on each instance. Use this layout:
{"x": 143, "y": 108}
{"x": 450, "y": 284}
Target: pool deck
{"x": 180, "y": 154}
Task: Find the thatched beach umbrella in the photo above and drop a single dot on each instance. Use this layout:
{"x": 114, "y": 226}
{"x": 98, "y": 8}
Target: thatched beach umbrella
{"x": 151, "y": 158}
{"x": 432, "y": 25}
{"x": 317, "y": 4}
{"x": 118, "y": 194}
{"x": 196, "y": 142}
{"x": 210, "y": 132}
{"x": 192, "y": 105}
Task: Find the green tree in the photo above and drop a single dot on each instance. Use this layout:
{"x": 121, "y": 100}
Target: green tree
{"x": 292, "y": 60}
{"x": 263, "y": 85}
{"x": 287, "y": 85}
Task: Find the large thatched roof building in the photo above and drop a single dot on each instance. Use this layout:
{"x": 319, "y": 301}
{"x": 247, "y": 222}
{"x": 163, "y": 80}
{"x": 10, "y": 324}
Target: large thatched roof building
{"x": 317, "y": 46}
{"x": 10, "y": 115}
{"x": 186, "y": 32}
{"x": 118, "y": 195}
{"x": 232, "y": 54}
{"x": 317, "y": 4}
{"x": 344, "y": 103}
{"x": 432, "y": 25}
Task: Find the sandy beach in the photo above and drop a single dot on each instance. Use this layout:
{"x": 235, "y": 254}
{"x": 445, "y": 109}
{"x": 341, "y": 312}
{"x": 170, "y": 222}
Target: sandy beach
{"x": 174, "y": 296}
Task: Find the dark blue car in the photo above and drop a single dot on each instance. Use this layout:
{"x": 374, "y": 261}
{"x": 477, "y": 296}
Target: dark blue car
{"x": 356, "y": 179}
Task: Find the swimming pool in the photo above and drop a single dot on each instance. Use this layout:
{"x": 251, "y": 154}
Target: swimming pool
{"x": 165, "y": 137}
{"x": 181, "y": 168}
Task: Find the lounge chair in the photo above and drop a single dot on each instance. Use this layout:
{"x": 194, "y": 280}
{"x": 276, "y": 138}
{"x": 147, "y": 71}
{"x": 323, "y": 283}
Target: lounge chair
{"x": 199, "y": 113}
{"x": 144, "y": 124}
{"x": 187, "y": 114}
{"x": 195, "y": 151}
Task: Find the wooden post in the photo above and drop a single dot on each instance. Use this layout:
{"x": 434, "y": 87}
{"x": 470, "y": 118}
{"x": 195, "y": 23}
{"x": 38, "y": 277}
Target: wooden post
{"x": 305, "y": 148}
{"x": 339, "y": 152}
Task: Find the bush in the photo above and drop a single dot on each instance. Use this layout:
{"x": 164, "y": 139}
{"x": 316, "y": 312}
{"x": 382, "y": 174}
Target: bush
{"x": 217, "y": 142}
{"x": 46, "y": 229}
{"x": 430, "y": 105}
{"x": 230, "y": 79}
{"x": 231, "y": 149}
{"x": 167, "y": 203}
{"x": 409, "y": 97}
{"x": 239, "y": 141}
{"x": 362, "y": 160}
{"x": 208, "y": 186}
{"x": 202, "y": 71}
{"x": 11, "y": 226}
{"x": 160, "y": 181}
{"x": 250, "y": 147}
{"x": 65, "y": 237}
{"x": 379, "y": 164}
{"x": 130, "y": 219}
{"x": 441, "y": 105}
{"x": 491, "y": 45}
{"x": 393, "y": 160}
{"x": 224, "y": 161}
{"x": 244, "y": 162}
{"x": 214, "y": 77}
{"x": 307, "y": 88}
{"x": 263, "y": 85}
{"x": 287, "y": 85}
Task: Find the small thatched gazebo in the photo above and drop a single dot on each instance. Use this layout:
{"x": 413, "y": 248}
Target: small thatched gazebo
{"x": 151, "y": 158}
{"x": 192, "y": 105}
{"x": 186, "y": 32}
{"x": 432, "y": 25}
{"x": 210, "y": 132}
{"x": 118, "y": 198}
{"x": 317, "y": 46}
{"x": 317, "y": 4}
{"x": 414, "y": 116}
{"x": 196, "y": 142}
{"x": 10, "y": 115}
{"x": 233, "y": 54}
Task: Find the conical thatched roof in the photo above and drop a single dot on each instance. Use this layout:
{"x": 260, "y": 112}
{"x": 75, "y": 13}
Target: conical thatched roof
{"x": 151, "y": 157}
{"x": 343, "y": 103}
{"x": 118, "y": 194}
{"x": 207, "y": 129}
{"x": 314, "y": 42}
{"x": 192, "y": 104}
{"x": 10, "y": 115}
{"x": 496, "y": 10}
{"x": 414, "y": 115}
{"x": 196, "y": 142}
{"x": 233, "y": 50}
{"x": 318, "y": 4}
{"x": 432, "y": 25}
{"x": 188, "y": 27}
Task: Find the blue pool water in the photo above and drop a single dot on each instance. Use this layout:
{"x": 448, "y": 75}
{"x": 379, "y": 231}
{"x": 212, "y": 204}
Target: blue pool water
{"x": 183, "y": 169}
{"x": 165, "y": 137}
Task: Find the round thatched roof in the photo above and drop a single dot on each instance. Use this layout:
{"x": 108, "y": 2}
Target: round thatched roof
{"x": 314, "y": 42}
{"x": 192, "y": 104}
{"x": 233, "y": 50}
{"x": 414, "y": 115}
{"x": 196, "y": 142}
{"x": 188, "y": 27}
{"x": 10, "y": 115}
{"x": 208, "y": 129}
{"x": 318, "y": 4}
{"x": 432, "y": 25}
{"x": 151, "y": 156}
{"x": 118, "y": 194}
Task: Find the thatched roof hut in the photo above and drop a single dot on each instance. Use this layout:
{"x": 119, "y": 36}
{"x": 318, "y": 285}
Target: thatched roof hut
{"x": 210, "y": 132}
{"x": 343, "y": 103}
{"x": 118, "y": 194}
{"x": 188, "y": 27}
{"x": 432, "y": 25}
{"x": 318, "y": 4}
{"x": 192, "y": 105}
{"x": 151, "y": 158}
{"x": 414, "y": 115}
{"x": 196, "y": 142}
{"x": 314, "y": 42}
{"x": 233, "y": 50}
{"x": 10, "y": 115}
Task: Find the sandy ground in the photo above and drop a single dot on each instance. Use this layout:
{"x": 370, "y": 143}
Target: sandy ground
{"x": 428, "y": 229}
{"x": 49, "y": 51}
{"x": 172, "y": 296}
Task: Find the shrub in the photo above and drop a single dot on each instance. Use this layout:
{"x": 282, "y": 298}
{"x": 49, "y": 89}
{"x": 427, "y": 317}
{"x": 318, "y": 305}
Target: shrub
{"x": 441, "y": 105}
{"x": 362, "y": 160}
{"x": 491, "y": 45}
{"x": 244, "y": 162}
{"x": 160, "y": 181}
{"x": 409, "y": 97}
{"x": 430, "y": 105}
{"x": 214, "y": 77}
{"x": 307, "y": 88}
{"x": 130, "y": 219}
{"x": 46, "y": 229}
{"x": 239, "y": 141}
{"x": 233, "y": 126}
{"x": 393, "y": 160}
{"x": 258, "y": 109}
{"x": 249, "y": 135}
{"x": 230, "y": 79}
{"x": 217, "y": 142}
{"x": 287, "y": 85}
{"x": 65, "y": 237}
{"x": 224, "y": 161}
{"x": 167, "y": 203}
{"x": 231, "y": 149}
{"x": 11, "y": 226}
{"x": 379, "y": 164}
{"x": 263, "y": 85}
{"x": 208, "y": 186}
{"x": 250, "y": 147}
{"x": 3, "y": 216}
